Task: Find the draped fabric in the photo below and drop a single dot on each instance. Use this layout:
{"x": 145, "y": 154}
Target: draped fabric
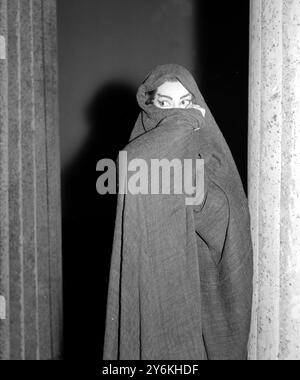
{"x": 180, "y": 284}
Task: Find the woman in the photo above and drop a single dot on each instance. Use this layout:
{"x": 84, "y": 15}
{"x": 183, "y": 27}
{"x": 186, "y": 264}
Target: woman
{"x": 181, "y": 276}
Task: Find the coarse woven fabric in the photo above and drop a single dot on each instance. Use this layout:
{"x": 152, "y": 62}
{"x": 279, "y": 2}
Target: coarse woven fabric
{"x": 180, "y": 285}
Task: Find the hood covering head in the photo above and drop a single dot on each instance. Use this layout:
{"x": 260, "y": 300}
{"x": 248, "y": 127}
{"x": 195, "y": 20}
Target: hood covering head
{"x": 212, "y": 146}
{"x": 151, "y": 115}
{"x": 180, "y": 284}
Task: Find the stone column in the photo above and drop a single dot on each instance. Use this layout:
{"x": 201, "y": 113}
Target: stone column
{"x": 274, "y": 177}
{"x": 30, "y": 227}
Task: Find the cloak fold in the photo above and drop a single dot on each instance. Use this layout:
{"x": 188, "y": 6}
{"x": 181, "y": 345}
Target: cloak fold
{"x": 180, "y": 284}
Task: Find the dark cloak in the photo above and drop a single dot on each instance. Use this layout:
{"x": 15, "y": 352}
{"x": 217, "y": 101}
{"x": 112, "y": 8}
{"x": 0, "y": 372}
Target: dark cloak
{"x": 180, "y": 284}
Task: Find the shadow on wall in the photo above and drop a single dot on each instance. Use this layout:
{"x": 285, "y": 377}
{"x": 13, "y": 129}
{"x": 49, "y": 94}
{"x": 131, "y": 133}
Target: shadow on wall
{"x": 88, "y": 221}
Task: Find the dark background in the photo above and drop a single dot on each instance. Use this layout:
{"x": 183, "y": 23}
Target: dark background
{"x": 106, "y": 48}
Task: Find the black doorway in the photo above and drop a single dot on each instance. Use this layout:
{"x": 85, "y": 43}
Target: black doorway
{"x": 100, "y": 67}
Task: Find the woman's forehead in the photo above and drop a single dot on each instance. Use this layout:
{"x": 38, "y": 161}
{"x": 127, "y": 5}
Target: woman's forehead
{"x": 173, "y": 89}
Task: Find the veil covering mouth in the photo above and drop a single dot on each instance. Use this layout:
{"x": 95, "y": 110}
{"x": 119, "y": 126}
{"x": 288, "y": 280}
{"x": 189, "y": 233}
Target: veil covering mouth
{"x": 180, "y": 285}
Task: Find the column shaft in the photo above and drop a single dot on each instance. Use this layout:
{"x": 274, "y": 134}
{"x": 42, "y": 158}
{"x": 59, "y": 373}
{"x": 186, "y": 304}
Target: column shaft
{"x": 274, "y": 177}
{"x": 30, "y": 227}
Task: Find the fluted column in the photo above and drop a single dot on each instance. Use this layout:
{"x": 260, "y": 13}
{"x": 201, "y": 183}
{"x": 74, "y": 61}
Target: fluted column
{"x": 30, "y": 227}
{"x": 274, "y": 177}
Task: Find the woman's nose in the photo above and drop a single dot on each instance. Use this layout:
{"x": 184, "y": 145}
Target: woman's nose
{"x": 179, "y": 105}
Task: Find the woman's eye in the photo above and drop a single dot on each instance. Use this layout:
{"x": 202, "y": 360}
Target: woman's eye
{"x": 186, "y": 102}
{"x": 163, "y": 103}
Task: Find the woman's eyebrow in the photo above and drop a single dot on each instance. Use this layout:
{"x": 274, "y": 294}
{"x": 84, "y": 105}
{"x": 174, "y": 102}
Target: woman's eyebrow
{"x": 165, "y": 96}
{"x": 185, "y": 96}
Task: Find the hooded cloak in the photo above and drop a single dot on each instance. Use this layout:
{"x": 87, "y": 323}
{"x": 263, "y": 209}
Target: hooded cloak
{"x": 180, "y": 285}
